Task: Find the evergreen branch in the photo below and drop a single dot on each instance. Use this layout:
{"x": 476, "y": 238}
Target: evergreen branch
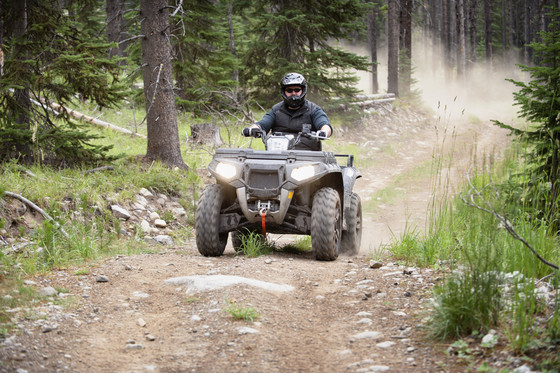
{"x": 475, "y": 193}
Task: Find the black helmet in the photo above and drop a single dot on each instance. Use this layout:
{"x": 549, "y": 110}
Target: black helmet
{"x": 293, "y": 79}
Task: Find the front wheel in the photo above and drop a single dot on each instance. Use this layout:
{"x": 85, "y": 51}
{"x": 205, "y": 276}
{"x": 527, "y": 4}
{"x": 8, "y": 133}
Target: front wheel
{"x": 326, "y": 224}
{"x": 352, "y": 238}
{"x": 209, "y": 240}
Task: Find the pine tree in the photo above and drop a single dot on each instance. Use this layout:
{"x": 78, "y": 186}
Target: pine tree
{"x": 203, "y": 61}
{"x": 292, "y": 35}
{"x": 539, "y": 102}
{"x": 50, "y": 56}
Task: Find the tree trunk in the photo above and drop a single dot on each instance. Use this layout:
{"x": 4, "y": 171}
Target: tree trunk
{"x": 22, "y": 94}
{"x": 163, "y": 134}
{"x": 511, "y": 50}
{"x": 372, "y": 41}
{"x": 393, "y": 47}
{"x": 461, "y": 55}
{"x": 527, "y": 33}
{"x": 472, "y": 30}
{"x": 1, "y": 39}
{"x": 405, "y": 46}
{"x": 488, "y": 31}
{"x": 116, "y": 27}
{"x": 232, "y": 46}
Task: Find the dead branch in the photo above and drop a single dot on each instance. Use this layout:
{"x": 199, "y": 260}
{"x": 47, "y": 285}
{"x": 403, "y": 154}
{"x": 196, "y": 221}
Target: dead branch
{"x": 102, "y": 168}
{"x": 97, "y": 122}
{"x": 475, "y": 194}
{"x": 154, "y": 95}
{"x": 36, "y": 208}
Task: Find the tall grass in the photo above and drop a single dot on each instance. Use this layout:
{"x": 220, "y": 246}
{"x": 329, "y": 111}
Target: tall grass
{"x": 491, "y": 276}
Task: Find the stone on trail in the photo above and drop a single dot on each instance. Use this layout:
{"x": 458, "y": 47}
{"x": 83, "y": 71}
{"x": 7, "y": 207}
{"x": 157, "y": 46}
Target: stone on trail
{"x": 212, "y": 282}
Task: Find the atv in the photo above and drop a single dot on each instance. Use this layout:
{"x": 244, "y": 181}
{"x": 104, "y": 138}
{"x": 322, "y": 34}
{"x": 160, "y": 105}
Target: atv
{"x": 281, "y": 190}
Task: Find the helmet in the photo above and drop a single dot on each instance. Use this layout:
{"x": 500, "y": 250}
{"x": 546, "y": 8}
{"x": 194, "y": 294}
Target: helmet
{"x": 293, "y": 79}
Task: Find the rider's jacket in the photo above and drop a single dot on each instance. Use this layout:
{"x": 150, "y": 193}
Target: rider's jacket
{"x": 282, "y": 119}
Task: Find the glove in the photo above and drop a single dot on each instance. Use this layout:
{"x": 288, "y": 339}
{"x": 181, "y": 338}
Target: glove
{"x": 251, "y": 132}
{"x": 322, "y": 134}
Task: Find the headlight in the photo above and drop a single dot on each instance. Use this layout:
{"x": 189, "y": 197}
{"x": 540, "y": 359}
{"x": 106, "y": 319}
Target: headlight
{"x": 302, "y": 173}
{"x": 226, "y": 170}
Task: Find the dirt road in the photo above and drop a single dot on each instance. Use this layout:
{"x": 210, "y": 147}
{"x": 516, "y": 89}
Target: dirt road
{"x": 341, "y": 316}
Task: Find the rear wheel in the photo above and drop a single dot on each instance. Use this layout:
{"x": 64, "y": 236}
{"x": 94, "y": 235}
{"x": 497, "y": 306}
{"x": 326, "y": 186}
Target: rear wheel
{"x": 209, "y": 240}
{"x": 326, "y": 224}
{"x": 352, "y": 238}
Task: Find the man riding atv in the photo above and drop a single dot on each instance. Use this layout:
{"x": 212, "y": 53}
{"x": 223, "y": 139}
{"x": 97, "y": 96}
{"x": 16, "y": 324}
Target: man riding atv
{"x": 292, "y": 187}
{"x": 292, "y": 113}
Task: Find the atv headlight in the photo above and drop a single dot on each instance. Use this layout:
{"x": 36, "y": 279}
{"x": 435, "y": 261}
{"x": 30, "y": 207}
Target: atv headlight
{"x": 302, "y": 173}
{"x": 226, "y": 170}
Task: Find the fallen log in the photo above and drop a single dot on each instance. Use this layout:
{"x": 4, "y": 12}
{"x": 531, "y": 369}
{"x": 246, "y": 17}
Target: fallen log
{"x": 76, "y": 114}
{"x": 97, "y": 122}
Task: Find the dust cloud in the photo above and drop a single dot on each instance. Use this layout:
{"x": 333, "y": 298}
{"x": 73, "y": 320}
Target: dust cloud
{"x": 484, "y": 94}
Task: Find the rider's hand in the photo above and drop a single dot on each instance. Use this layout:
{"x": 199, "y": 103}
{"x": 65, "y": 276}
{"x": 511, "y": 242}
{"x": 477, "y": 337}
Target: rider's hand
{"x": 251, "y": 132}
{"x": 322, "y": 134}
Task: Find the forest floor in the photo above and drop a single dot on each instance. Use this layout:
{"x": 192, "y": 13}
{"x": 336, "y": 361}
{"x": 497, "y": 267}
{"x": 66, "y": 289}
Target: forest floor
{"x": 159, "y": 312}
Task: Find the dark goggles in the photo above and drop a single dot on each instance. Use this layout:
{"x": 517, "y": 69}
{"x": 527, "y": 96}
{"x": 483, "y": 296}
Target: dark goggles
{"x": 295, "y": 90}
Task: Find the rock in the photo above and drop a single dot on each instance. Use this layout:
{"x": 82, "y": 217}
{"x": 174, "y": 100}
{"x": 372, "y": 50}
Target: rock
{"x": 178, "y": 212}
{"x": 385, "y": 344}
{"x": 368, "y": 335}
{"x": 102, "y": 278}
{"x": 48, "y": 292}
{"x": 164, "y": 239}
{"x": 134, "y": 346}
{"x": 29, "y": 283}
{"x": 150, "y": 337}
{"x": 154, "y": 216}
{"x": 145, "y": 226}
{"x": 145, "y": 193}
{"x": 246, "y": 330}
{"x": 160, "y": 223}
{"x": 141, "y": 322}
{"x": 365, "y": 320}
{"x": 120, "y": 212}
{"x": 139, "y": 294}
{"x": 523, "y": 369}
{"x": 375, "y": 264}
{"x": 490, "y": 339}
{"x": 48, "y": 328}
{"x": 378, "y": 368}
{"x": 141, "y": 200}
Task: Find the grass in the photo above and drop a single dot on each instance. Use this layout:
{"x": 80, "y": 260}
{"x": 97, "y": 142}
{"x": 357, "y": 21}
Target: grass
{"x": 240, "y": 311}
{"x": 253, "y": 244}
{"x": 477, "y": 253}
{"x": 301, "y": 244}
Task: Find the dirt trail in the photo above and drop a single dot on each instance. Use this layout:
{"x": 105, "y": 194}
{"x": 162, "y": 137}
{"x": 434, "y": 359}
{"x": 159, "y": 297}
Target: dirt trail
{"x": 341, "y": 316}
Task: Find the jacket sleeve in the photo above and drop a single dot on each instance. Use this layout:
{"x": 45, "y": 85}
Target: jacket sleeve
{"x": 320, "y": 119}
{"x": 267, "y": 121}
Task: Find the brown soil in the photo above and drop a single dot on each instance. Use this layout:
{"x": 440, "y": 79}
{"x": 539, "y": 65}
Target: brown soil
{"x": 313, "y": 328}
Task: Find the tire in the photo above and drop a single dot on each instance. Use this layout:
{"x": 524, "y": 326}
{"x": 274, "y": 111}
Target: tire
{"x": 209, "y": 240}
{"x": 236, "y": 241}
{"x": 352, "y": 238}
{"x": 326, "y": 224}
